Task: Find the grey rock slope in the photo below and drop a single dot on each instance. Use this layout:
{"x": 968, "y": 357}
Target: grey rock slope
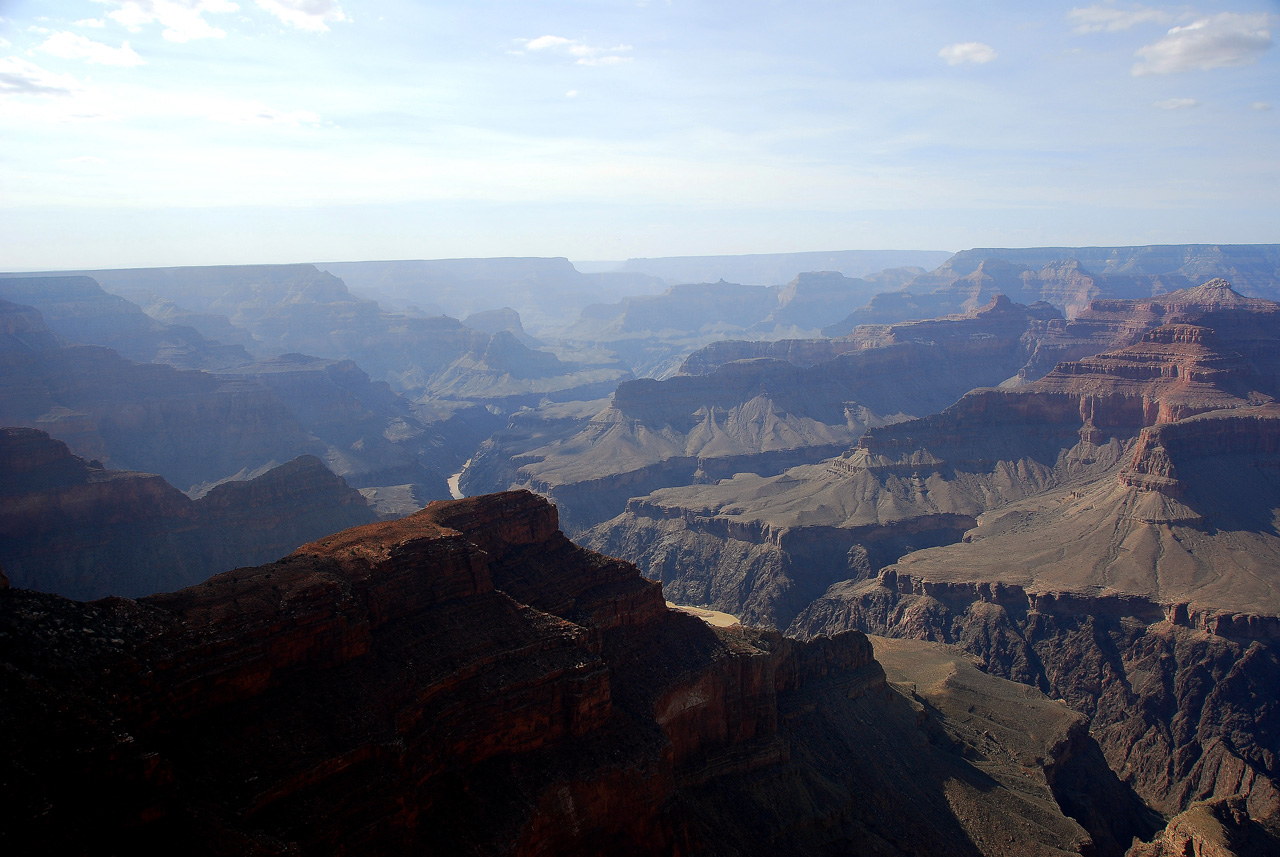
{"x": 73, "y": 528}
{"x": 78, "y": 310}
{"x": 196, "y": 428}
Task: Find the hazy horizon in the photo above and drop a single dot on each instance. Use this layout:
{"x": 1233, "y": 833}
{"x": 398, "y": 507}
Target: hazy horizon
{"x": 146, "y": 133}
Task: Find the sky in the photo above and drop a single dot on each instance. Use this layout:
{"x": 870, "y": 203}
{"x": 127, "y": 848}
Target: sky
{"x": 170, "y": 132}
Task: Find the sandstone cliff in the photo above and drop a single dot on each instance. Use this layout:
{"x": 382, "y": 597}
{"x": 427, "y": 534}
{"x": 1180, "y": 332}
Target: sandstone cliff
{"x": 467, "y": 681}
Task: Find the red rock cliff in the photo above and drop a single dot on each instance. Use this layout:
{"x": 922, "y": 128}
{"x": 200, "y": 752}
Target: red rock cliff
{"x": 381, "y": 691}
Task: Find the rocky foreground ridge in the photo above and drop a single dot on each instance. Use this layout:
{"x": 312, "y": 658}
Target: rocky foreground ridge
{"x": 467, "y": 681}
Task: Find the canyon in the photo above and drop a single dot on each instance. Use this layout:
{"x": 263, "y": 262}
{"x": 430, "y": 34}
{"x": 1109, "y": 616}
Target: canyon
{"x": 1105, "y": 534}
{"x": 1042, "y": 480}
{"x": 466, "y": 680}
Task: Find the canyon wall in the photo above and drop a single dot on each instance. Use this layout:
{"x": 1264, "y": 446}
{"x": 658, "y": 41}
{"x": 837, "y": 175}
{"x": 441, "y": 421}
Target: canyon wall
{"x": 465, "y": 681}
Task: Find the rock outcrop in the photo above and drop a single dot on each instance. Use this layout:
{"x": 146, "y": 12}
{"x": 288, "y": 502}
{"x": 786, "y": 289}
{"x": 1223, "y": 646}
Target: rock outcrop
{"x": 74, "y": 528}
{"x": 467, "y": 681}
{"x": 928, "y": 480}
{"x": 1214, "y": 828}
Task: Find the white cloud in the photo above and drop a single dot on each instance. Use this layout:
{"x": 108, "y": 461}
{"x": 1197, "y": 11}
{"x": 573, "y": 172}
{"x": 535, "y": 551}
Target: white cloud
{"x": 573, "y": 93}
{"x": 20, "y": 77}
{"x": 1261, "y": 105}
{"x": 72, "y": 46}
{"x": 86, "y": 159}
{"x": 975, "y": 52}
{"x": 183, "y": 20}
{"x": 583, "y": 54}
{"x": 90, "y": 22}
{"x": 315, "y": 15}
{"x": 1225, "y": 39}
{"x": 1098, "y": 18}
{"x": 1176, "y": 103}
{"x": 543, "y": 42}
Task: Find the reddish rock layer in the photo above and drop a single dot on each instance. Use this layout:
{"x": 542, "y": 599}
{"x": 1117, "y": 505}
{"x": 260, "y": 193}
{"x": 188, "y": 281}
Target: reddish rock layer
{"x": 381, "y": 691}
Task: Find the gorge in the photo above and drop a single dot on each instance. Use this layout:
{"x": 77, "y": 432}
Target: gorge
{"x": 1004, "y": 571}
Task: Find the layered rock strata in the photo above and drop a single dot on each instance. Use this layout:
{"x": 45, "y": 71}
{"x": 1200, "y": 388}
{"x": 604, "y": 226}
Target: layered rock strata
{"x": 761, "y": 415}
{"x": 1119, "y": 551}
{"x": 464, "y": 681}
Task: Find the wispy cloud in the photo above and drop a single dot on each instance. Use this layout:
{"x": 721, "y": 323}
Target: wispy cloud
{"x": 962, "y": 52}
{"x": 86, "y": 159}
{"x": 89, "y": 103}
{"x": 1098, "y": 18}
{"x": 183, "y": 20}
{"x": 1176, "y": 103}
{"x": 580, "y": 52}
{"x": 314, "y": 15}
{"x": 72, "y": 46}
{"x": 20, "y": 77}
{"x": 1222, "y": 40}
{"x": 90, "y": 22}
{"x": 1261, "y": 105}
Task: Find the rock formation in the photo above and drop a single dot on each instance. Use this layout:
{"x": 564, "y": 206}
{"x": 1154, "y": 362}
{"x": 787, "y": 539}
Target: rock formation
{"x": 762, "y": 415}
{"x": 74, "y": 528}
{"x": 372, "y": 436}
{"x": 1069, "y": 278}
{"x": 300, "y": 309}
{"x": 1106, "y": 534}
{"x": 1214, "y": 828}
{"x": 81, "y": 313}
{"x": 467, "y": 681}
{"x": 924, "y": 482}
{"x": 197, "y": 429}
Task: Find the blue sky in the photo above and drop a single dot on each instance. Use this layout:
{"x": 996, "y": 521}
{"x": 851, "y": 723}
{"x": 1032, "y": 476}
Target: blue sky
{"x": 156, "y": 132}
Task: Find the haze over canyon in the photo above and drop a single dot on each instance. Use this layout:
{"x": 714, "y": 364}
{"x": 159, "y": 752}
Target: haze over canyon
{"x": 409, "y": 556}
